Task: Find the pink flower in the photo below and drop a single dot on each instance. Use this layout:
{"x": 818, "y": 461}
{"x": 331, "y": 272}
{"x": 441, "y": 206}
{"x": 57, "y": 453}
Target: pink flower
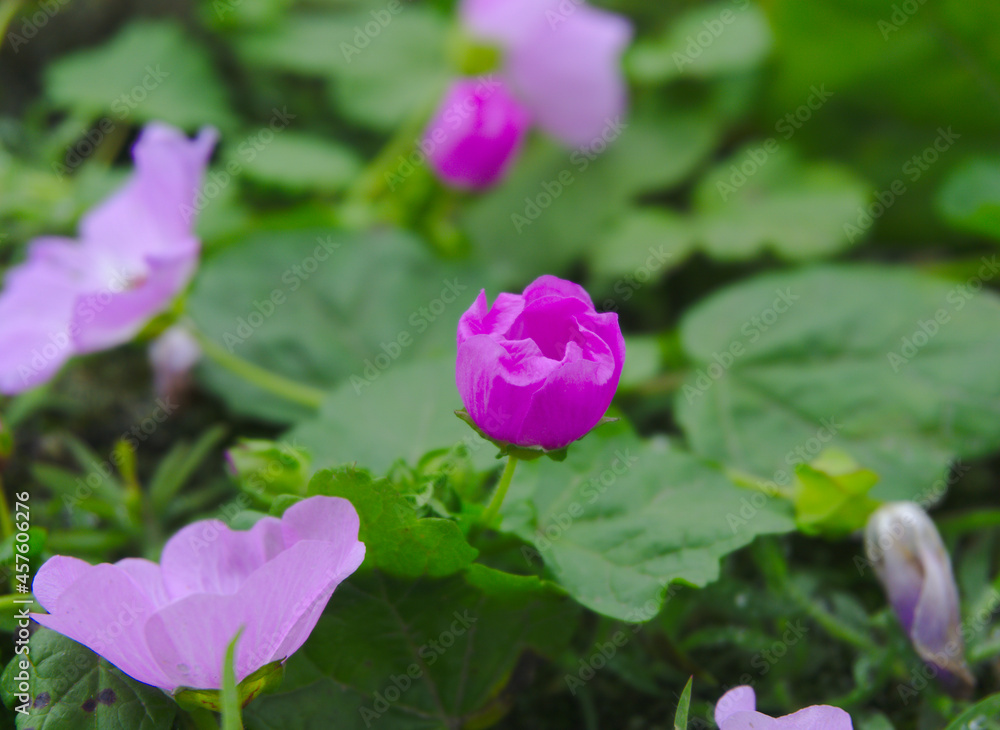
{"x": 736, "y": 710}
{"x": 538, "y": 368}
{"x": 563, "y": 60}
{"x": 476, "y": 133}
{"x": 136, "y": 252}
{"x": 560, "y": 70}
{"x": 169, "y": 624}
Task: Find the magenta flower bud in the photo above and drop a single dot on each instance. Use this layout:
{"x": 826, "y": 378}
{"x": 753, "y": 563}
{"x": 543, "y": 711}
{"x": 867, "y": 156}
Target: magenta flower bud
{"x": 562, "y": 60}
{"x": 912, "y": 564}
{"x": 538, "y": 369}
{"x": 737, "y": 710}
{"x": 169, "y": 624}
{"x": 172, "y": 356}
{"x": 136, "y": 252}
{"x": 476, "y": 133}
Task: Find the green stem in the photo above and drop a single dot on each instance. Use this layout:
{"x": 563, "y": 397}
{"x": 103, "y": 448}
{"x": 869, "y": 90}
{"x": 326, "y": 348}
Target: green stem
{"x": 498, "y": 496}
{"x": 264, "y": 379}
{"x": 7, "y": 12}
{"x": 371, "y": 183}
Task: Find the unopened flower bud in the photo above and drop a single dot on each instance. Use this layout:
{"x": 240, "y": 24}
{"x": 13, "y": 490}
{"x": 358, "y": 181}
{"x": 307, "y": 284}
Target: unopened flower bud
{"x": 910, "y": 560}
{"x": 172, "y": 355}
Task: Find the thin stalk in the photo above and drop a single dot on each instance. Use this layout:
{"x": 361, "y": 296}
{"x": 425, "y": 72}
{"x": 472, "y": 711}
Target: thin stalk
{"x": 501, "y": 491}
{"x": 264, "y": 379}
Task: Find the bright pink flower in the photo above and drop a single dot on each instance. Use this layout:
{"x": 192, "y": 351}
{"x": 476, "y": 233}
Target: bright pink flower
{"x": 560, "y": 69}
{"x": 563, "y": 60}
{"x": 538, "y": 368}
{"x": 736, "y": 710}
{"x": 136, "y": 252}
{"x": 476, "y": 133}
{"x": 169, "y": 624}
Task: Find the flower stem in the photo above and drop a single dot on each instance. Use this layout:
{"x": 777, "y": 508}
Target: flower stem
{"x": 504, "y": 484}
{"x": 264, "y": 379}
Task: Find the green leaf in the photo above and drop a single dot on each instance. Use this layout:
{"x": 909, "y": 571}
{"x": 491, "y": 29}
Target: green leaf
{"x": 787, "y": 365}
{"x": 984, "y": 715}
{"x": 763, "y": 198}
{"x": 970, "y": 197}
{"x": 379, "y": 79}
{"x": 555, "y": 201}
{"x": 831, "y": 495}
{"x": 644, "y": 244}
{"x": 708, "y": 40}
{"x": 322, "y": 308}
{"x": 152, "y": 70}
{"x": 178, "y": 466}
{"x": 683, "y": 705}
{"x": 396, "y": 541}
{"x": 622, "y": 519}
{"x": 296, "y": 161}
{"x": 269, "y": 469}
{"x": 445, "y": 651}
{"x": 72, "y": 687}
{"x": 402, "y": 414}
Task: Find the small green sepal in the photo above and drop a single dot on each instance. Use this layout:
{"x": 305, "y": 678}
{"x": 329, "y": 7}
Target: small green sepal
{"x": 524, "y": 453}
{"x": 265, "y": 679}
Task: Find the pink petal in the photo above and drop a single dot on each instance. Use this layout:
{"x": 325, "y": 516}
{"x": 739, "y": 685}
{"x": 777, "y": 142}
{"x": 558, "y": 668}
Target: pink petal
{"x": 476, "y": 133}
{"x": 35, "y": 315}
{"x": 817, "y": 717}
{"x": 738, "y": 699}
{"x": 148, "y": 577}
{"x": 548, "y": 286}
{"x": 480, "y": 319}
{"x": 209, "y": 557}
{"x": 56, "y": 575}
{"x": 277, "y": 606}
{"x": 507, "y": 22}
{"x": 569, "y": 75}
{"x": 105, "y": 610}
{"x": 743, "y": 720}
{"x": 496, "y": 381}
{"x": 571, "y": 401}
{"x": 332, "y": 519}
